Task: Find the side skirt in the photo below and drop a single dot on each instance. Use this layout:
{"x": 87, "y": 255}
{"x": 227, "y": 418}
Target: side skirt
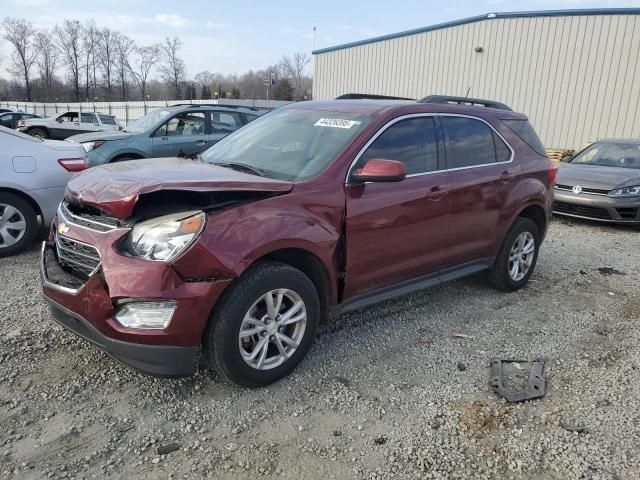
{"x": 409, "y": 286}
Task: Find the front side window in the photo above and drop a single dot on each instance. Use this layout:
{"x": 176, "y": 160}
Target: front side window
{"x": 471, "y": 142}
{"x": 411, "y": 141}
{"x": 69, "y": 117}
{"x": 624, "y": 155}
{"x": 290, "y": 143}
{"x": 186, "y": 124}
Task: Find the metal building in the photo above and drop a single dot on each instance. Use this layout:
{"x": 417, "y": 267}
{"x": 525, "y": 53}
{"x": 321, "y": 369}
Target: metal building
{"x": 575, "y": 73}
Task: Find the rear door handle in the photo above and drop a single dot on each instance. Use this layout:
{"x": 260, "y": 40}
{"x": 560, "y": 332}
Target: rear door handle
{"x": 506, "y": 176}
{"x": 437, "y": 193}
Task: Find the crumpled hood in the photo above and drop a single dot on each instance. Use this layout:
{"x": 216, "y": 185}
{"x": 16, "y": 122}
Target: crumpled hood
{"x": 593, "y": 176}
{"x": 115, "y": 188}
{"x": 93, "y": 136}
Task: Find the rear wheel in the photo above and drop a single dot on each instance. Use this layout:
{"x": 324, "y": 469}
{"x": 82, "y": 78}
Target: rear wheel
{"x": 517, "y": 257}
{"x": 18, "y": 224}
{"x": 40, "y": 133}
{"x": 263, "y": 326}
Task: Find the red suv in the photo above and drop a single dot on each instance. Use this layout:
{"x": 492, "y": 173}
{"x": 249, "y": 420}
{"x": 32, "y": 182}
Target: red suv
{"x": 312, "y": 209}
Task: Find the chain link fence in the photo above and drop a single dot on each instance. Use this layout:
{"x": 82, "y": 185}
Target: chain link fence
{"x": 127, "y": 112}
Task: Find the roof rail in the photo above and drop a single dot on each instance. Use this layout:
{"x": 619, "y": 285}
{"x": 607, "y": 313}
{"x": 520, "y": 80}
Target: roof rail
{"x": 369, "y": 96}
{"x": 474, "y": 102}
{"x": 196, "y": 105}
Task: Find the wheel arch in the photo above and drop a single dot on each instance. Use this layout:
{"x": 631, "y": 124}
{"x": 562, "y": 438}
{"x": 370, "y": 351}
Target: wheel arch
{"x": 27, "y": 198}
{"x": 132, "y": 154}
{"x": 536, "y": 213}
{"x": 309, "y": 264}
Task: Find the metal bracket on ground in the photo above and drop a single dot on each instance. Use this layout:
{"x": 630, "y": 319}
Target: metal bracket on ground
{"x": 535, "y": 388}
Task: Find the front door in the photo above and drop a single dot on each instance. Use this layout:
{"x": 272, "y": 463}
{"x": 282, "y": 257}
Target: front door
{"x": 184, "y": 133}
{"x": 482, "y": 174}
{"x": 398, "y": 231}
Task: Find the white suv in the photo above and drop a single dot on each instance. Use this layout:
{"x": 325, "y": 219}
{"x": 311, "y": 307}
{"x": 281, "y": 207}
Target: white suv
{"x": 59, "y": 127}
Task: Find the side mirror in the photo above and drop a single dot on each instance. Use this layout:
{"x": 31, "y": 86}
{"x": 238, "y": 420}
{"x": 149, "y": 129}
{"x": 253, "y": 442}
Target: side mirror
{"x": 59, "y": 120}
{"x": 380, "y": 170}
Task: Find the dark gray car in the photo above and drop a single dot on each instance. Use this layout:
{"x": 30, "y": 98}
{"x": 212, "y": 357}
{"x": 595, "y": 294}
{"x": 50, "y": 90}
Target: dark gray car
{"x": 602, "y": 182}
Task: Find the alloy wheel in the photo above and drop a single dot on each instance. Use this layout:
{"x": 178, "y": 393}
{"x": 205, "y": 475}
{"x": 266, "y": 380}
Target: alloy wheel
{"x": 521, "y": 256}
{"x": 13, "y": 225}
{"x": 272, "y": 329}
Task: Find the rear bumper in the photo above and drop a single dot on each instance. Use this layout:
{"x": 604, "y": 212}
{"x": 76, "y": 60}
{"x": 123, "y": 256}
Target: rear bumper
{"x": 159, "y": 360}
{"x": 601, "y": 208}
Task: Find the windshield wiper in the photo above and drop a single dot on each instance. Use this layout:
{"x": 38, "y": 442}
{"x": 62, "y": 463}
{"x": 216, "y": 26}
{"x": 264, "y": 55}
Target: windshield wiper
{"x": 243, "y": 167}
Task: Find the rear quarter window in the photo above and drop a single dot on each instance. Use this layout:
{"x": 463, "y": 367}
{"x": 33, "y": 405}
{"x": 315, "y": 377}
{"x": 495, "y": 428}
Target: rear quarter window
{"x": 107, "y": 120}
{"x": 525, "y": 131}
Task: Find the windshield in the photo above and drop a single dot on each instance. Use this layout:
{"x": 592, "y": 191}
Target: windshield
{"x": 149, "y": 121}
{"x": 15, "y": 133}
{"x": 289, "y": 144}
{"x": 625, "y": 155}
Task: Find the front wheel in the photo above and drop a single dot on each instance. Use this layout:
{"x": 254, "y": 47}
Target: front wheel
{"x": 517, "y": 257}
{"x": 18, "y": 224}
{"x": 40, "y": 133}
{"x": 263, "y": 326}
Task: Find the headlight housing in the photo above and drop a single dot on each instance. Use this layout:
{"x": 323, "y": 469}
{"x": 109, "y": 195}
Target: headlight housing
{"x": 626, "y": 191}
{"x": 163, "y": 239}
{"x": 90, "y": 146}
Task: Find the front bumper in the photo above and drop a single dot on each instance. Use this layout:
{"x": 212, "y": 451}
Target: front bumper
{"x": 601, "y": 208}
{"x": 160, "y": 360}
{"x": 87, "y": 306}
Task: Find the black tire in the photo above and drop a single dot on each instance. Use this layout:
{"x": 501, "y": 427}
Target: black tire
{"x": 31, "y": 221}
{"x": 499, "y": 273}
{"x": 39, "y": 133}
{"x": 221, "y": 343}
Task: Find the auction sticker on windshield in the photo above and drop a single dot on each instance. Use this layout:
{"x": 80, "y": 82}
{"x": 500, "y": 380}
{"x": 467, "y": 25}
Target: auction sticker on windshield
{"x": 336, "y": 123}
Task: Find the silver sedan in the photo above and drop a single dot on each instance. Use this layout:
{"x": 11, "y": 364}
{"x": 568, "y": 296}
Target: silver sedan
{"x": 33, "y": 176}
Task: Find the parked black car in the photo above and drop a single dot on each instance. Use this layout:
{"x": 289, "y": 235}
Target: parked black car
{"x": 10, "y": 119}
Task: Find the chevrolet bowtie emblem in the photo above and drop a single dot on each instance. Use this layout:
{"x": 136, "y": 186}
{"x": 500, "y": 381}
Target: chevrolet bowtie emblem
{"x": 62, "y": 228}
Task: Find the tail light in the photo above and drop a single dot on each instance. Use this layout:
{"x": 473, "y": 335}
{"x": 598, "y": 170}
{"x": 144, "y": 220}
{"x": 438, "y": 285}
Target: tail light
{"x": 22, "y": 123}
{"x": 74, "y": 164}
{"x": 553, "y": 175}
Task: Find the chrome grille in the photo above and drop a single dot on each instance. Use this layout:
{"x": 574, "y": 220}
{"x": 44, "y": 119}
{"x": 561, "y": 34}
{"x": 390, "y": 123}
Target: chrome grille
{"x": 87, "y": 218}
{"x": 78, "y": 257}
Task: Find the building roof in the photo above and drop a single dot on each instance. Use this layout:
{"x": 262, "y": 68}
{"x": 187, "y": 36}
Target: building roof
{"x": 488, "y": 16}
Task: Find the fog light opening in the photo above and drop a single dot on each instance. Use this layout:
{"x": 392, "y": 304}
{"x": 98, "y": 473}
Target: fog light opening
{"x": 146, "y": 315}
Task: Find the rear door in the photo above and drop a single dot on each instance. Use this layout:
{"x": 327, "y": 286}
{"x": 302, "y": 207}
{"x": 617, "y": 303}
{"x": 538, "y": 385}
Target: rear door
{"x": 89, "y": 122}
{"x": 183, "y": 133}
{"x": 482, "y": 174}
{"x": 398, "y": 231}
{"x": 222, "y": 124}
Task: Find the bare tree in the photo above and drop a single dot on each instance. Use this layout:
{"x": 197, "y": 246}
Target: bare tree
{"x": 69, "y": 39}
{"x": 124, "y": 47}
{"x": 106, "y": 50}
{"x": 144, "y": 59}
{"x": 89, "y": 43}
{"x": 47, "y": 61}
{"x": 21, "y": 34}
{"x": 295, "y": 67}
{"x": 172, "y": 67}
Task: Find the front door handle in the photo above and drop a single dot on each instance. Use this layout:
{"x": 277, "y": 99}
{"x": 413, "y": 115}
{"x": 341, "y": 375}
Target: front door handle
{"x": 437, "y": 193}
{"x": 201, "y": 142}
{"x": 506, "y": 176}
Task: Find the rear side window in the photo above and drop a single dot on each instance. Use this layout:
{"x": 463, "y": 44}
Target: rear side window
{"x": 224, "y": 122}
{"x": 412, "y": 142}
{"x": 107, "y": 120}
{"x": 525, "y": 131}
{"x": 469, "y": 142}
{"x": 87, "y": 118}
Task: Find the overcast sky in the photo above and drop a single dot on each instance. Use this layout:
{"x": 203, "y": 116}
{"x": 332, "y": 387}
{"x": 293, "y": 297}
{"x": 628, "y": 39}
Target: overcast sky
{"x": 236, "y": 35}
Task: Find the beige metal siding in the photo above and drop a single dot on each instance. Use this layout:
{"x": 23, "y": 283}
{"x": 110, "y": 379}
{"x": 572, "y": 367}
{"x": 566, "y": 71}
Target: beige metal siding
{"x": 576, "y": 77}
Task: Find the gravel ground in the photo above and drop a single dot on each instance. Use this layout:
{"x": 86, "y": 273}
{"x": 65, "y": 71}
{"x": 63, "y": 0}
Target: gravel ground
{"x": 386, "y": 392}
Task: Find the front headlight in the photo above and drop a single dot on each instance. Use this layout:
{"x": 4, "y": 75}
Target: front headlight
{"x": 626, "y": 191}
{"x": 163, "y": 239}
{"x": 90, "y": 146}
